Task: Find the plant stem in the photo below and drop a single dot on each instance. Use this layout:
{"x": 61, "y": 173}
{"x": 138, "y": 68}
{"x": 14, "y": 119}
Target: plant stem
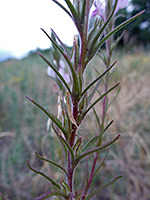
{"x": 72, "y": 139}
{"x": 74, "y": 128}
{"x": 70, "y": 176}
{"x": 91, "y": 177}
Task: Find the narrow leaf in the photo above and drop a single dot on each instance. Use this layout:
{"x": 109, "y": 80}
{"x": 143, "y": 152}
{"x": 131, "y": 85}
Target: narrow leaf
{"x": 101, "y": 188}
{"x": 95, "y": 138}
{"x": 56, "y": 71}
{"x": 73, "y": 73}
{"x": 61, "y": 6}
{"x": 65, "y": 185}
{"x": 74, "y": 14}
{"x": 83, "y": 10}
{"x": 96, "y": 149}
{"x": 44, "y": 175}
{"x": 117, "y": 29}
{"x": 98, "y": 99}
{"x": 92, "y": 93}
{"x": 68, "y": 146}
{"x": 98, "y": 78}
{"x": 62, "y": 44}
{"x": 97, "y": 118}
{"x": 45, "y": 196}
{"x": 93, "y": 30}
{"x": 58, "y": 135}
{"x": 91, "y": 53}
{"x": 71, "y": 7}
{"x": 51, "y": 116}
{"x": 102, "y": 163}
{"x": 51, "y": 162}
{"x": 114, "y": 98}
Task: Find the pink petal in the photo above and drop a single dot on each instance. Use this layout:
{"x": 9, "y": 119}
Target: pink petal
{"x": 51, "y": 72}
{"x": 121, "y": 4}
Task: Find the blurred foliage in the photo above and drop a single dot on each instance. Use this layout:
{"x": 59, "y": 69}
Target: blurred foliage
{"x": 137, "y": 32}
{"x": 140, "y": 29}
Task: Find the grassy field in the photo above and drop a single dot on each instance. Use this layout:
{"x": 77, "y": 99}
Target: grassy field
{"x": 23, "y": 127}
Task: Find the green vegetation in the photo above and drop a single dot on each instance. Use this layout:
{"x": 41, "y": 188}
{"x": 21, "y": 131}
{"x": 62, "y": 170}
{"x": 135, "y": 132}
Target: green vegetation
{"x": 139, "y": 30}
{"x": 23, "y": 127}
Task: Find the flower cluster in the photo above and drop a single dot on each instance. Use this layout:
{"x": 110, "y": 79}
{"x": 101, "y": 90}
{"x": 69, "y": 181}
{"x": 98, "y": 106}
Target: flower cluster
{"x": 100, "y": 7}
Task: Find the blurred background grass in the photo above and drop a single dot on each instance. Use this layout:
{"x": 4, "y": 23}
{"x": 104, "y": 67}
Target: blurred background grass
{"x": 23, "y": 127}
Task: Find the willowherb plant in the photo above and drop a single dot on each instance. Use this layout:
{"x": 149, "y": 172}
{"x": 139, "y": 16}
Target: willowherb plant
{"x": 76, "y": 99}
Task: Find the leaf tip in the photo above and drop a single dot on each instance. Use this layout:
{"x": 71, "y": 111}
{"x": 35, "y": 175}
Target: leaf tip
{"x": 29, "y": 98}
{"x": 39, "y": 53}
{"x": 118, "y": 137}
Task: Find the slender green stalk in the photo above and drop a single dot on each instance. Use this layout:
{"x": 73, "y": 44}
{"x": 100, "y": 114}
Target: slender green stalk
{"x": 75, "y": 102}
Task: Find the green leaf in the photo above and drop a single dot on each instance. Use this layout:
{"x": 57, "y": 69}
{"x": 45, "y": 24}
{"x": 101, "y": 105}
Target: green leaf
{"x": 83, "y": 11}
{"x": 102, "y": 163}
{"x": 92, "y": 141}
{"x": 68, "y": 147}
{"x": 103, "y": 56}
{"x": 98, "y": 99}
{"x": 77, "y": 146}
{"x": 61, "y": 6}
{"x": 44, "y": 175}
{"x": 95, "y": 150}
{"x": 73, "y": 72}
{"x": 65, "y": 148}
{"x": 51, "y": 162}
{"x": 65, "y": 186}
{"x": 101, "y": 188}
{"x": 56, "y": 71}
{"x": 91, "y": 53}
{"x": 92, "y": 93}
{"x": 114, "y": 98}
{"x": 97, "y": 118}
{"x": 74, "y": 14}
{"x": 62, "y": 44}
{"x": 117, "y": 29}
{"x": 51, "y": 116}
{"x": 98, "y": 78}
{"x": 45, "y": 196}
{"x": 92, "y": 32}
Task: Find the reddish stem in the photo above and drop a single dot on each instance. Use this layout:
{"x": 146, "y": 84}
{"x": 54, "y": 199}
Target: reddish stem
{"x": 74, "y": 128}
{"x": 70, "y": 172}
{"x": 91, "y": 177}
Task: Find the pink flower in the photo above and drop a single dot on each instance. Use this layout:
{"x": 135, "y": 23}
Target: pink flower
{"x": 51, "y": 72}
{"x": 121, "y": 4}
{"x": 100, "y": 7}
{"x": 65, "y": 75}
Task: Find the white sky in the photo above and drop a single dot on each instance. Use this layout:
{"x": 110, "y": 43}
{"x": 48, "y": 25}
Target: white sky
{"x": 21, "y": 20}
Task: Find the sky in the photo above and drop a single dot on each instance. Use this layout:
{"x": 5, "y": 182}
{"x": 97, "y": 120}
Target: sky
{"x": 20, "y": 23}
{"x": 21, "y": 20}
